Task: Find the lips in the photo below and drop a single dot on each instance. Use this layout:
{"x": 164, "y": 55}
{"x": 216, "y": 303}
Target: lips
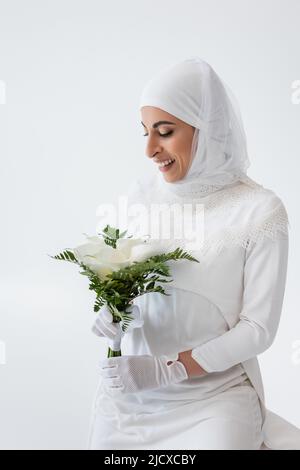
{"x": 165, "y": 162}
{"x": 165, "y": 168}
{"x": 156, "y": 160}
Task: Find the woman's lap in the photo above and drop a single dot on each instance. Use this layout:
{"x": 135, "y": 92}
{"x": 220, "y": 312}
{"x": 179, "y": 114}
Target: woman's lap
{"x": 231, "y": 420}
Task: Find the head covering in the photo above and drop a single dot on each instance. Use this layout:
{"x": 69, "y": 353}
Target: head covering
{"x": 192, "y": 92}
{"x": 215, "y": 186}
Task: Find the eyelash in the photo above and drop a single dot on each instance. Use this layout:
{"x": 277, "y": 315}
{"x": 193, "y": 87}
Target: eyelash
{"x": 162, "y": 135}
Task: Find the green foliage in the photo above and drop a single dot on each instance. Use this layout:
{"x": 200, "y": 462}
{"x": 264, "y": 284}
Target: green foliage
{"x": 111, "y": 235}
{"x": 119, "y": 288}
{"x": 66, "y": 255}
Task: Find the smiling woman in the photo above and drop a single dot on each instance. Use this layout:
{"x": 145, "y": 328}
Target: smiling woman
{"x": 221, "y": 312}
{"x": 169, "y": 143}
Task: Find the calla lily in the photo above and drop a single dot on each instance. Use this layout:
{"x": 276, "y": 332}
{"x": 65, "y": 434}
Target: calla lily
{"x": 103, "y": 259}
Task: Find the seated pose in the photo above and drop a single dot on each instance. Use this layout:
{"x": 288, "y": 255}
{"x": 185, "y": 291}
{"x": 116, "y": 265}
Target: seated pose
{"x": 189, "y": 377}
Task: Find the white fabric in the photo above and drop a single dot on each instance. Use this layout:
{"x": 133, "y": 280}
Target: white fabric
{"x": 226, "y": 319}
{"x": 229, "y": 420}
{"x": 134, "y": 373}
{"x": 226, "y": 308}
{"x": 104, "y": 326}
{"x": 265, "y": 218}
{"x": 193, "y": 92}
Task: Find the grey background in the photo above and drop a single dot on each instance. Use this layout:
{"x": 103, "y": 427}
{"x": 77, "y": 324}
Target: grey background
{"x": 71, "y": 138}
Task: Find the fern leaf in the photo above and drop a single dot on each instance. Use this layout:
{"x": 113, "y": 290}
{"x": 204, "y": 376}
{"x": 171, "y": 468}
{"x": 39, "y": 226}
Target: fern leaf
{"x": 66, "y": 255}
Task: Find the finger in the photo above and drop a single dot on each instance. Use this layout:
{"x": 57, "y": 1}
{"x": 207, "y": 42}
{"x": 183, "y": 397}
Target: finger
{"x": 114, "y": 382}
{"x": 106, "y": 313}
{"x": 105, "y": 320}
{"x": 135, "y": 311}
{"x": 96, "y": 331}
{"x": 114, "y": 390}
{"x": 109, "y": 330}
{"x": 103, "y": 332}
{"x": 109, "y": 372}
{"x": 108, "y": 362}
{"x": 136, "y": 317}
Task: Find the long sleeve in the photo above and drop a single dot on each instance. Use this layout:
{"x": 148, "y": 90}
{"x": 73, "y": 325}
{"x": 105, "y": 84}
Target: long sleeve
{"x": 265, "y": 272}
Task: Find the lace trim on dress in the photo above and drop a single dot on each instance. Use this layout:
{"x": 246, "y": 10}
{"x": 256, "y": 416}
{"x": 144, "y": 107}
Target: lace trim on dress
{"x": 220, "y": 203}
{"x": 246, "y": 236}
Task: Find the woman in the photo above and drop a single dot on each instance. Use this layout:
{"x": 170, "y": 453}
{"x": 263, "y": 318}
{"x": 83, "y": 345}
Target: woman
{"x": 189, "y": 378}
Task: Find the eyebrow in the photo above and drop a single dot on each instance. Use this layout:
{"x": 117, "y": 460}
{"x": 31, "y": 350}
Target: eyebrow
{"x": 159, "y": 123}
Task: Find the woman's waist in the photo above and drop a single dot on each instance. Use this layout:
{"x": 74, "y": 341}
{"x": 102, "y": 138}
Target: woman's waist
{"x": 191, "y": 389}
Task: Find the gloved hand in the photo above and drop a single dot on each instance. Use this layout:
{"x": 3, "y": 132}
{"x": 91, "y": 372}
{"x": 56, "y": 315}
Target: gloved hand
{"x": 105, "y": 327}
{"x": 130, "y": 374}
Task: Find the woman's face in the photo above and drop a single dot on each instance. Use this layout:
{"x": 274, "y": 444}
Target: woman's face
{"x": 167, "y": 141}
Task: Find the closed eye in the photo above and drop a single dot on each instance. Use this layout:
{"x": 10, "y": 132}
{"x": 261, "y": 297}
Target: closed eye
{"x": 161, "y": 135}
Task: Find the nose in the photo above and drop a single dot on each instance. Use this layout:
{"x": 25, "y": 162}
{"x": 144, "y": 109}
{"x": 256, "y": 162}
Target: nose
{"x": 152, "y": 148}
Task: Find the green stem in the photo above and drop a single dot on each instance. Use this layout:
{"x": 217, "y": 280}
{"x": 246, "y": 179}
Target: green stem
{"x": 112, "y": 353}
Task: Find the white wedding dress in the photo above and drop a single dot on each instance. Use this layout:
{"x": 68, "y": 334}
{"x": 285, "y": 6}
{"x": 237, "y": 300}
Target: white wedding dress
{"x": 179, "y": 416}
{"x": 227, "y": 307}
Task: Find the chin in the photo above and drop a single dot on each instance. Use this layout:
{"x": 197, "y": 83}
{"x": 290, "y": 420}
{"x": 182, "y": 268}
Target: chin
{"x": 171, "y": 179}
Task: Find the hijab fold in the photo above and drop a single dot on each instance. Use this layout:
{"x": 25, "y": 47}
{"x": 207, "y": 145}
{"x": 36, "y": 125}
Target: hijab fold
{"x": 192, "y": 91}
{"x": 217, "y": 173}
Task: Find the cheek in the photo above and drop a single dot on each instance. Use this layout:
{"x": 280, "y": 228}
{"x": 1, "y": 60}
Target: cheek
{"x": 183, "y": 156}
{"x": 177, "y": 147}
{"x": 180, "y": 150}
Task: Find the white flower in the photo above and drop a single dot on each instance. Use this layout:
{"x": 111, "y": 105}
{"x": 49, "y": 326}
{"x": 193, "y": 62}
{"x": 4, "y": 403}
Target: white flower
{"x": 103, "y": 259}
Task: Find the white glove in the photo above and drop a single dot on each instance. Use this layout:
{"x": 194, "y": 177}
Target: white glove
{"x": 130, "y": 374}
{"x": 105, "y": 327}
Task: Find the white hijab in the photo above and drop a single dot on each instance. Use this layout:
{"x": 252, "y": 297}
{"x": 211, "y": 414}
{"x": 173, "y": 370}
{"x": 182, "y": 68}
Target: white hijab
{"x": 216, "y": 177}
{"x": 192, "y": 91}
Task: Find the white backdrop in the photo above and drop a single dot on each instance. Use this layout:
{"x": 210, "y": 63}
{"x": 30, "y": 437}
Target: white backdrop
{"x": 71, "y": 73}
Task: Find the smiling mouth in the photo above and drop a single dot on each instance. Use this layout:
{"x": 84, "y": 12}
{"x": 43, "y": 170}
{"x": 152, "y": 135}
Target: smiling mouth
{"x": 166, "y": 163}
{"x": 166, "y": 167}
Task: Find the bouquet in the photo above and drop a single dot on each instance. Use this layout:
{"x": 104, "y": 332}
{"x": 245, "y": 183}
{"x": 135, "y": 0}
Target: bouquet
{"x": 121, "y": 269}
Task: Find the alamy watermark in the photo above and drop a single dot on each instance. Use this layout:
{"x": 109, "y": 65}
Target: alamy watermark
{"x": 295, "y": 96}
{"x": 2, "y": 101}
{"x": 158, "y": 220}
{"x": 2, "y": 92}
{"x": 2, "y": 353}
{"x": 296, "y": 353}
